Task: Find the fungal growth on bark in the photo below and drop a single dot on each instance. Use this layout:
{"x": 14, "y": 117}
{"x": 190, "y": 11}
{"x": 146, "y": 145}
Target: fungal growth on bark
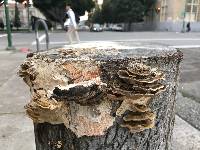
{"x": 136, "y": 85}
{"x": 41, "y": 109}
{"x": 67, "y": 86}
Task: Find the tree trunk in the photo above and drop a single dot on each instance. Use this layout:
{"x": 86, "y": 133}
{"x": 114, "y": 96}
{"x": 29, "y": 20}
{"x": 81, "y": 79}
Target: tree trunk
{"x": 110, "y": 96}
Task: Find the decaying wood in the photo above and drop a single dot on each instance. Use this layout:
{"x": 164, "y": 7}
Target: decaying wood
{"x": 99, "y": 92}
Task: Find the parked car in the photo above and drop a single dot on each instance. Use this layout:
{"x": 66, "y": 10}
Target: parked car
{"x": 106, "y": 28}
{"x": 96, "y": 28}
{"x": 117, "y": 27}
{"x": 83, "y": 28}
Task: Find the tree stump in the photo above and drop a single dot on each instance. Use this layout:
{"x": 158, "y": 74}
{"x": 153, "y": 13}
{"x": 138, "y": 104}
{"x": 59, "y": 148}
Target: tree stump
{"x": 103, "y": 96}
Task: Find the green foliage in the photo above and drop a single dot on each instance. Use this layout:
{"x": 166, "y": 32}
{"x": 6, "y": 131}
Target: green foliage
{"x": 107, "y": 11}
{"x": 148, "y": 5}
{"x": 115, "y": 11}
{"x": 96, "y": 17}
{"x": 128, "y": 10}
{"x": 54, "y": 10}
{"x": 17, "y": 22}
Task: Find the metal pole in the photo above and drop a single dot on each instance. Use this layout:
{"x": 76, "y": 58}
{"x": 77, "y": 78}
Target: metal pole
{"x": 28, "y": 14}
{"x": 37, "y": 24}
{"x": 183, "y": 28}
{"x": 8, "y": 29}
{"x": 184, "y": 15}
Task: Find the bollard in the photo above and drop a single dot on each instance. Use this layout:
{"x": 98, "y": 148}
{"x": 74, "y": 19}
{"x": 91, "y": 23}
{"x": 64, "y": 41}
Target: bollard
{"x": 37, "y": 24}
{"x": 103, "y": 96}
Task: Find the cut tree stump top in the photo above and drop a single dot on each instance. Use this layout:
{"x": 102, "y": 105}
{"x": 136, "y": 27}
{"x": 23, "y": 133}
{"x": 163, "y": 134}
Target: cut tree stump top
{"x": 109, "y": 51}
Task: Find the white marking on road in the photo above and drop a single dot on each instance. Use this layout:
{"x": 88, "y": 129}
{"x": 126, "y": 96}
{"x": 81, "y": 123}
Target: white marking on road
{"x": 186, "y": 46}
{"x": 54, "y": 43}
{"x": 136, "y": 40}
{"x": 42, "y": 37}
{"x": 174, "y": 46}
{"x": 171, "y": 39}
{"x": 3, "y": 35}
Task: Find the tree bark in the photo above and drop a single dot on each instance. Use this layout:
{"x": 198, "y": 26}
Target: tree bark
{"x": 111, "y": 106}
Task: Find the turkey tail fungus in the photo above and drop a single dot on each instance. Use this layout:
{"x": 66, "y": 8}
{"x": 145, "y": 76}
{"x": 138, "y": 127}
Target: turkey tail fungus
{"x": 102, "y": 96}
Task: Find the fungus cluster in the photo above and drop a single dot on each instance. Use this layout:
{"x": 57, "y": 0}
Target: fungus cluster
{"x": 134, "y": 87}
{"x": 70, "y": 92}
{"x": 42, "y": 109}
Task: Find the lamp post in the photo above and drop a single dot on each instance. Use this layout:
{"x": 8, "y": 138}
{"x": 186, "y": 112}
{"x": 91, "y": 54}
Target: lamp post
{"x": 8, "y": 29}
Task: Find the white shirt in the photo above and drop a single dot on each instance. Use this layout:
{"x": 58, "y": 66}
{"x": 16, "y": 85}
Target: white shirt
{"x": 72, "y": 19}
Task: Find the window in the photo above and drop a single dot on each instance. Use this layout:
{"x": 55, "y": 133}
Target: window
{"x": 192, "y": 10}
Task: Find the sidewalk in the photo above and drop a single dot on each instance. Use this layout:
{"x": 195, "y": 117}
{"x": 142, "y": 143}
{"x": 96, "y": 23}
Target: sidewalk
{"x": 16, "y": 130}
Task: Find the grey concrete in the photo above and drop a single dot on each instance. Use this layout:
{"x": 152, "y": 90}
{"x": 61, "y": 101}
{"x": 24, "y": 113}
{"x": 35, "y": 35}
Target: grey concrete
{"x": 13, "y": 102}
{"x": 185, "y": 137}
{"x": 143, "y": 26}
{"x": 191, "y": 90}
{"x": 189, "y": 110}
{"x": 14, "y": 92}
{"x": 190, "y": 75}
{"x": 9, "y": 61}
{"x": 190, "y": 68}
{"x": 16, "y": 130}
{"x": 188, "y": 99}
{"x": 174, "y": 26}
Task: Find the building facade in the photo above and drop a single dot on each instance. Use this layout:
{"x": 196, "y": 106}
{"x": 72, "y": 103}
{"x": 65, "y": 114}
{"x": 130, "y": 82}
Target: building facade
{"x": 177, "y": 10}
{"x": 23, "y": 13}
{"x": 173, "y": 15}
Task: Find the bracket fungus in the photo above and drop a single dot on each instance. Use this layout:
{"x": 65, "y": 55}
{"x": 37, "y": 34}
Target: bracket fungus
{"x": 137, "y": 85}
{"x": 41, "y": 109}
{"x": 84, "y": 96}
{"x": 73, "y": 92}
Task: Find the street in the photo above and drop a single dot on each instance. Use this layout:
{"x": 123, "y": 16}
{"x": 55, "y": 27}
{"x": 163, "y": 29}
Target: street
{"x": 15, "y": 127}
{"x": 179, "y": 40}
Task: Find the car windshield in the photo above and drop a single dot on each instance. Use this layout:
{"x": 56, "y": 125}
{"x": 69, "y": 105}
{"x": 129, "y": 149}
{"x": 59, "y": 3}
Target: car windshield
{"x": 96, "y": 25}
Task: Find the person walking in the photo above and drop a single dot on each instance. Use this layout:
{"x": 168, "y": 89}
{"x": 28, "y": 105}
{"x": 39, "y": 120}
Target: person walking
{"x": 188, "y": 27}
{"x": 72, "y": 25}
